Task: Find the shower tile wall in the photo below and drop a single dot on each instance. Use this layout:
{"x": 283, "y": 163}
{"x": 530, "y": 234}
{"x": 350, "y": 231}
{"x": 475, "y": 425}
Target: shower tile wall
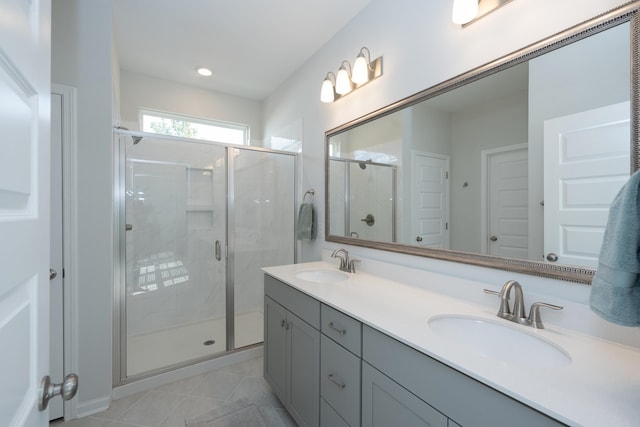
{"x": 175, "y": 203}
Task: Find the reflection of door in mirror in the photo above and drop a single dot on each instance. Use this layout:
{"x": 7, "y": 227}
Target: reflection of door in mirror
{"x": 586, "y": 157}
{"x": 430, "y": 200}
{"x": 505, "y": 201}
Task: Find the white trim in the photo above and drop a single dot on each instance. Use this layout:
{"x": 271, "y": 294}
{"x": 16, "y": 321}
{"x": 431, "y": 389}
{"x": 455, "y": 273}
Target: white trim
{"x": 484, "y": 190}
{"x": 70, "y": 237}
{"x": 92, "y": 407}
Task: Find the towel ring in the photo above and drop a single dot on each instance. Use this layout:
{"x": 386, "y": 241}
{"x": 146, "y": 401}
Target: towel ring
{"x": 312, "y": 192}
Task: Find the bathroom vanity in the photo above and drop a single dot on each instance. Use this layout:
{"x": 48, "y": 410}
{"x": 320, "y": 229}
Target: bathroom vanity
{"x": 346, "y": 349}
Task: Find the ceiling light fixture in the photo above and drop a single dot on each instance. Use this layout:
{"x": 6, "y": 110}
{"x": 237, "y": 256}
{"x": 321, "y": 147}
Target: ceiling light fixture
{"x": 204, "y": 71}
{"x": 348, "y": 79}
{"x": 467, "y": 11}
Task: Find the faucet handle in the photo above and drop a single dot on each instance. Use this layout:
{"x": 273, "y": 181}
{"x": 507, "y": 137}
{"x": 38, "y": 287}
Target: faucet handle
{"x": 352, "y": 265}
{"x": 534, "y": 313}
{"x": 504, "y": 311}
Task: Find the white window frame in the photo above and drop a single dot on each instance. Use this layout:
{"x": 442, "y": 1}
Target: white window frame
{"x": 245, "y": 129}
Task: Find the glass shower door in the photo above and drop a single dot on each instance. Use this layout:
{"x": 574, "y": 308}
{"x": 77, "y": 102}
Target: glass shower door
{"x": 261, "y": 232}
{"x": 175, "y": 209}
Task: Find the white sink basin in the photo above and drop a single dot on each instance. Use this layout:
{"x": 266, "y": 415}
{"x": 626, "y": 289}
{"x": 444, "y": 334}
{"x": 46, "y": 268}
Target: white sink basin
{"x": 499, "y": 341}
{"x": 322, "y": 276}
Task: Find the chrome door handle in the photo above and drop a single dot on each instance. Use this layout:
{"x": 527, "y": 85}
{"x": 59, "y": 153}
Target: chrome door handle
{"x": 52, "y": 274}
{"x": 66, "y": 389}
{"x": 493, "y": 238}
{"x": 218, "y": 250}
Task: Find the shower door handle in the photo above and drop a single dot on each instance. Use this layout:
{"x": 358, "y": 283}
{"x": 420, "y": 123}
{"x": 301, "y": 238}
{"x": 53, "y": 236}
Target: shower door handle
{"x": 218, "y": 250}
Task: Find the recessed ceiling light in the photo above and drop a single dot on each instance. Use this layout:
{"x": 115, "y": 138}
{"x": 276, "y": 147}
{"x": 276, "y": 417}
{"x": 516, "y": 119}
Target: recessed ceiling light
{"x": 204, "y": 71}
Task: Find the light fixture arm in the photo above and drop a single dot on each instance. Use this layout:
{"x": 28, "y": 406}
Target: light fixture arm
{"x": 364, "y": 48}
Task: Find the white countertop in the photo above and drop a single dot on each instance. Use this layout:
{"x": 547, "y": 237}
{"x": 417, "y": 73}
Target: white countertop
{"x": 600, "y": 387}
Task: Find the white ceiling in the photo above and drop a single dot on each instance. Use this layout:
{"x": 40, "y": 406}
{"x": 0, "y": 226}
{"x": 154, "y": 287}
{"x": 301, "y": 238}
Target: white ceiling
{"x": 252, "y": 46}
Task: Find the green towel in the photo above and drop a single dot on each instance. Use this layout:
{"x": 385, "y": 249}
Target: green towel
{"x": 615, "y": 288}
{"x": 306, "y": 229}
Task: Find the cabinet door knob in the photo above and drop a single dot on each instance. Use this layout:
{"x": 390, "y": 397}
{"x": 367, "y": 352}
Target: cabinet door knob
{"x": 552, "y": 257}
{"x": 418, "y": 239}
{"x": 493, "y": 238}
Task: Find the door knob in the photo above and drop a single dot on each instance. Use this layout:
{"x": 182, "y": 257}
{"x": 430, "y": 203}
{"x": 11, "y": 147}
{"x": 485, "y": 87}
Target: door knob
{"x": 66, "y": 389}
{"x": 552, "y": 257}
{"x": 418, "y": 239}
{"x": 493, "y": 238}
{"x": 369, "y": 220}
{"x": 52, "y": 274}
{"x": 128, "y": 227}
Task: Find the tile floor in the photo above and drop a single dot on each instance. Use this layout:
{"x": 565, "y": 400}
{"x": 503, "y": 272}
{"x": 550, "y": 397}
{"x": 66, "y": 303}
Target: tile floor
{"x": 169, "y": 405}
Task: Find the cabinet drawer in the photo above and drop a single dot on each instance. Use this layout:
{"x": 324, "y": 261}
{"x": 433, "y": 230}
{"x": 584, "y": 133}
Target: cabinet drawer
{"x": 329, "y": 417}
{"x": 340, "y": 380}
{"x": 343, "y": 329}
{"x": 300, "y": 304}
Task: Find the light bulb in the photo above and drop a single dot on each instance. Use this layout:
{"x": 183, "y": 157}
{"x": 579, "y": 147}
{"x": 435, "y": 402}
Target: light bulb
{"x": 464, "y": 11}
{"x": 326, "y": 93}
{"x": 343, "y": 82}
{"x": 360, "y": 70}
{"x": 204, "y": 71}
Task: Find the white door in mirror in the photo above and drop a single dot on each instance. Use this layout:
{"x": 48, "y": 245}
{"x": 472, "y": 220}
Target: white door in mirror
{"x": 586, "y": 157}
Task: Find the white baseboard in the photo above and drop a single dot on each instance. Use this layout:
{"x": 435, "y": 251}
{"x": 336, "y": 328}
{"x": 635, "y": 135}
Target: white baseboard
{"x": 92, "y": 407}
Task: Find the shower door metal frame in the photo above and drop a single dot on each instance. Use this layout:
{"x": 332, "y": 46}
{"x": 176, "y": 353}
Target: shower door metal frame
{"x": 119, "y": 375}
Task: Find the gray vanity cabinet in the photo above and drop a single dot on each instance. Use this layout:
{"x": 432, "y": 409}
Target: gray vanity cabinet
{"x": 461, "y": 398}
{"x": 329, "y": 369}
{"x": 292, "y": 350}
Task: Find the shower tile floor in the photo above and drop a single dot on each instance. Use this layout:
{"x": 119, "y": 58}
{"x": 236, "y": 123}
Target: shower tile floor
{"x": 171, "y": 404}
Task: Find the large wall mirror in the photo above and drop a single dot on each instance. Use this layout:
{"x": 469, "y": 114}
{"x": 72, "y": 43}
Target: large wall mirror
{"x": 512, "y": 165}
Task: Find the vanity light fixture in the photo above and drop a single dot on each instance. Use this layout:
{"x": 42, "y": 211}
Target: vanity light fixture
{"x": 328, "y": 91}
{"x": 204, "y": 71}
{"x": 364, "y": 71}
{"x": 343, "y": 80}
{"x": 467, "y": 11}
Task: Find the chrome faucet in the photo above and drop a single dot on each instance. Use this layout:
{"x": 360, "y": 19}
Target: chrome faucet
{"x": 518, "y": 313}
{"x": 345, "y": 264}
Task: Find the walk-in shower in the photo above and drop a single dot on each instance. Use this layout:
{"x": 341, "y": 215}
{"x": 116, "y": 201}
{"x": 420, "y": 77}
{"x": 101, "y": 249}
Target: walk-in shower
{"x": 363, "y": 199}
{"x": 195, "y": 223}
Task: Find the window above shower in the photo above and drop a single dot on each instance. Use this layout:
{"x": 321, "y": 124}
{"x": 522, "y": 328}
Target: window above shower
{"x": 192, "y": 127}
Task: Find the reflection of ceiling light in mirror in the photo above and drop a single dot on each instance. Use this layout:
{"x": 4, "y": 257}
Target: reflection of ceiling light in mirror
{"x": 204, "y": 71}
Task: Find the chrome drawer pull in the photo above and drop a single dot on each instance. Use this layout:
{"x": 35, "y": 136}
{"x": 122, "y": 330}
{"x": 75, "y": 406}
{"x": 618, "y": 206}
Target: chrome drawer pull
{"x": 338, "y": 330}
{"x": 333, "y": 380}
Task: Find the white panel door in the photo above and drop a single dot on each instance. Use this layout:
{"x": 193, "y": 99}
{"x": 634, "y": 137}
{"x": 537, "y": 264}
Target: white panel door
{"x": 507, "y": 203}
{"x": 430, "y": 200}
{"x": 24, "y": 208}
{"x": 586, "y": 161}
